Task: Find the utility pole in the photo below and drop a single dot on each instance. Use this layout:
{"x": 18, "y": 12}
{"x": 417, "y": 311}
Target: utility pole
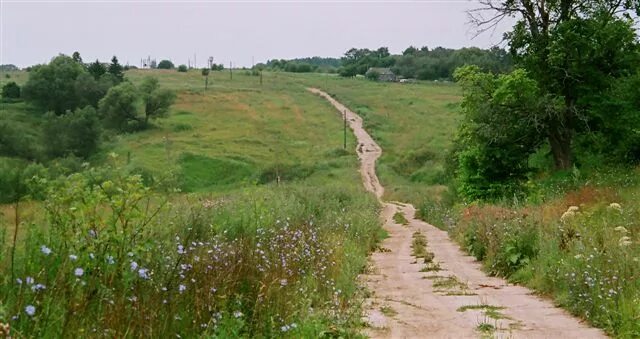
{"x": 345, "y": 129}
{"x": 230, "y": 71}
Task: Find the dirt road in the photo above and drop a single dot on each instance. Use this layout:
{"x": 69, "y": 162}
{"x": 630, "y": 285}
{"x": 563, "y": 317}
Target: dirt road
{"x": 443, "y": 294}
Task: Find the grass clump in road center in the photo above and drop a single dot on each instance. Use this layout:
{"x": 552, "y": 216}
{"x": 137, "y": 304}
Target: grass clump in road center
{"x": 490, "y": 311}
{"x": 400, "y": 219}
{"x": 419, "y": 245}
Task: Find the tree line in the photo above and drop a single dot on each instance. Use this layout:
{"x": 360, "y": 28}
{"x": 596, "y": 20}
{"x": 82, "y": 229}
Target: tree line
{"x": 77, "y": 103}
{"x": 424, "y": 63}
{"x": 302, "y": 65}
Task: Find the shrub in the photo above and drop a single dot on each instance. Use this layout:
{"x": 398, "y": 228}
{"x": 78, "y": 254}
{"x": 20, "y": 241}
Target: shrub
{"x": 11, "y": 90}
{"x": 165, "y": 64}
{"x": 51, "y": 87}
{"x": 15, "y": 141}
{"x": 372, "y": 75}
{"x": 76, "y": 133}
{"x": 182, "y": 68}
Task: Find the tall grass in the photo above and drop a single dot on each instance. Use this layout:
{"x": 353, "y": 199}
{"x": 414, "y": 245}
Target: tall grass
{"x": 582, "y": 248}
{"x": 113, "y": 258}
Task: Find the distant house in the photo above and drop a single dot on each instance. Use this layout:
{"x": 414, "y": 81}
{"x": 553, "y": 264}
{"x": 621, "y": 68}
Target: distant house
{"x": 384, "y": 74}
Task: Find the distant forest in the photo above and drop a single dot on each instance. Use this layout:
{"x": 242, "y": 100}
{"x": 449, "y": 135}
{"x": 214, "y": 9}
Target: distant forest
{"x": 417, "y": 63}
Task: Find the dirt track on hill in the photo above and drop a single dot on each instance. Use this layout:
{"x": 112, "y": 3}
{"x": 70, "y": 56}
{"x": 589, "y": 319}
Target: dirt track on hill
{"x": 409, "y": 302}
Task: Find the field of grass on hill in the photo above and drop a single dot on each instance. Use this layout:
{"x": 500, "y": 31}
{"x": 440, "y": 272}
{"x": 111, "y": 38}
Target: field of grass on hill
{"x": 414, "y": 123}
{"x": 240, "y": 132}
{"x": 237, "y": 255}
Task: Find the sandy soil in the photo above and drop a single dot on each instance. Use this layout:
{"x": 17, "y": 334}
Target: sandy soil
{"x": 409, "y": 301}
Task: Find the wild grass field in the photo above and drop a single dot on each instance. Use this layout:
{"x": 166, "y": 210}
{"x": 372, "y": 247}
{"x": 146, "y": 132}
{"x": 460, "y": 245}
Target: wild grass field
{"x": 241, "y": 133}
{"x": 224, "y": 150}
{"x": 414, "y": 123}
{"x": 264, "y": 236}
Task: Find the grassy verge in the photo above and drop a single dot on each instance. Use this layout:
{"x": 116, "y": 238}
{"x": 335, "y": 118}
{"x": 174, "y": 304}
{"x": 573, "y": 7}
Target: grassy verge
{"x": 581, "y": 247}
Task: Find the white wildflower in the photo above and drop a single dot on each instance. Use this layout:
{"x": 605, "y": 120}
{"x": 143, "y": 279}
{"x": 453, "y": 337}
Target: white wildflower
{"x": 621, "y": 229}
{"x": 624, "y": 241}
{"x": 615, "y": 206}
{"x": 567, "y": 215}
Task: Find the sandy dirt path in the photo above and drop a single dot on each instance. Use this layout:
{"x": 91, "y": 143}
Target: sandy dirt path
{"x": 411, "y": 299}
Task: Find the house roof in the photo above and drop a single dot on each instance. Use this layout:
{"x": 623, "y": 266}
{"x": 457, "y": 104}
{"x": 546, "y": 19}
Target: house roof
{"x": 381, "y": 70}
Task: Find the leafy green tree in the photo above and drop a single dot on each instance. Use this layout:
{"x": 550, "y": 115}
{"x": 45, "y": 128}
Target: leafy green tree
{"x": 358, "y": 61}
{"x": 75, "y": 133}
{"x": 90, "y": 90}
{"x": 498, "y": 132}
{"x": 76, "y": 57}
{"x": 118, "y": 107}
{"x": 615, "y": 124}
{"x": 165, "y": 64}
{"x": 182, "y": 68}
{"x": 11, "y": 90}
{"x": 97, "y": 69}
{"x": 156, "y": 100}
{"x": 116, "y": 69}
{"x": 572, "y": 48}
{"x": 51, "y": 87}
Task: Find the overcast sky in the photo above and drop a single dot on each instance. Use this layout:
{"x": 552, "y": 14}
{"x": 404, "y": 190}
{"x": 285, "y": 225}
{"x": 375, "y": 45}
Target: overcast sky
{"x": 35, "y": 31}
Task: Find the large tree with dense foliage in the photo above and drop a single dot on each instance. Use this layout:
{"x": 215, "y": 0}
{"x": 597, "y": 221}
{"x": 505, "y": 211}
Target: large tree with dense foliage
{"x": 577, "y": 59}
{"x": 118, "y": 107}
{"x": 358, "y": 61}
{"x": 573, "y": 49}
{"x": 51, "y": 87}
{"x": 499, "y": 131}
{"x": 156, "y": 100}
